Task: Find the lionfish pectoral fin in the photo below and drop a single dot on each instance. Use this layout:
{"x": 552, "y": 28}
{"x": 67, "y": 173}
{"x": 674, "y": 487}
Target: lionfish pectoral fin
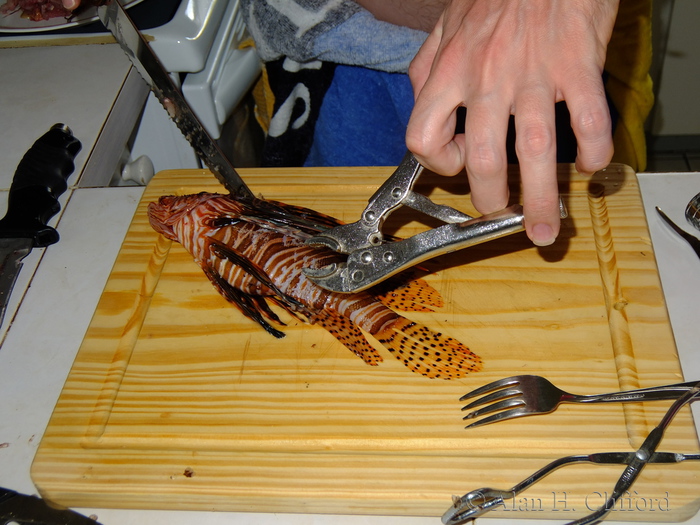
{"x": 221, "y": 250}
{"x": 251, "y": 306}
{"x": 288, "y": 215}
{"x": 414, "y": 295}
{"x": 261, "y": 304}
{"x": 429, "y": 353}
{"x": 348, "y": 334}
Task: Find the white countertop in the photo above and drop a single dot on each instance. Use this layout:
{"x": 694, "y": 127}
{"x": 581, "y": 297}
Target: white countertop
{"x": 41, "y": 86}
{"x": 38, "y": 349}
{"x": 71, "y": 84}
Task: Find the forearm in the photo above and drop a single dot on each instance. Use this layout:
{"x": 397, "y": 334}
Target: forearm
{"x": 416, "y": 14}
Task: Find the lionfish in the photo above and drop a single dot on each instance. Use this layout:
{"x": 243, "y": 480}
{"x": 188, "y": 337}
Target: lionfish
{"x": 254, "y": 252}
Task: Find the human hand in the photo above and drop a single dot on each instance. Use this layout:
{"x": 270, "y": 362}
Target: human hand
{"x": 71, "y": 4}
{"x": 513, "y": 57}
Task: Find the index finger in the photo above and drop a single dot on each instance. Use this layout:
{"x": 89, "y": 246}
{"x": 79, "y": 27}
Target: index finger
{"x": 430, "y": 134}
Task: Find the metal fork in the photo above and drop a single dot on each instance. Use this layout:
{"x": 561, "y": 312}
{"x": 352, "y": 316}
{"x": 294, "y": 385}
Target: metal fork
{"x": 528, "y": 395}
{"x": 478, "y": 502}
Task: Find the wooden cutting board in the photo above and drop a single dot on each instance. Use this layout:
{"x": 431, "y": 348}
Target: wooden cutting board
{"x": 177, "y": 401}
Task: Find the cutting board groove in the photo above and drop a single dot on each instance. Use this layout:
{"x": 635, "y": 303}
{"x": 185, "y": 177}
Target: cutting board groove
{"x": 178, "y": 401}
{"x": 615, "y": 303}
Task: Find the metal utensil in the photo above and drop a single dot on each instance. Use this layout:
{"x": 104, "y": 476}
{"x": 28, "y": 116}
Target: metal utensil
{"x": 529, "y": 395}
{"x": 132, "y": 42}
{"x": 640, "y": 460}
{"x": 480, "y": 501}
{"x": 693, "y": 241}
{"x": 692, "y": 212}
{"x": 39, "y": 180}
{"x": 372, "y": 258}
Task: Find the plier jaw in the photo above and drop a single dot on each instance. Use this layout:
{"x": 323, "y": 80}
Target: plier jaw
{"x": 369, "y": 265}
{"x": 372, "y": 258}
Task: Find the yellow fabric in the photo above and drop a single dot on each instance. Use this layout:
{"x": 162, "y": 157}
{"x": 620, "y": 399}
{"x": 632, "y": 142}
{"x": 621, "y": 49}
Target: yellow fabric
{"x": 262, "y": 94}
{"x": 629, "y": 84}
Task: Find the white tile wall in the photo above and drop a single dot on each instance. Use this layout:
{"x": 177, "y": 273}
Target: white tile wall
{"x": 677, "y": 108}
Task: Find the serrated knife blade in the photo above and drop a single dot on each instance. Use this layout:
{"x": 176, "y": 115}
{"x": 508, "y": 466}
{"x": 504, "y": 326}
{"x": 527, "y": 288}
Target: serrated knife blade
{"x": 119, "y": 23}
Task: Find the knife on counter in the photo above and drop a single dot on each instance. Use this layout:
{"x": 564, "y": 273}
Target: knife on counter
{"x": 33, "y": 199}
{"x": 16, "y": 508}
{"x": 119, "y": 23}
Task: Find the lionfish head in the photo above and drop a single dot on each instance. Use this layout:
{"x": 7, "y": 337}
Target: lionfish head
{"x": 170, "y": 209}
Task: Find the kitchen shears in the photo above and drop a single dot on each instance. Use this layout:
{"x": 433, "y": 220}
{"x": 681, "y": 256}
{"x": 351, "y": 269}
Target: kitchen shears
{"x": 372, "y": 258}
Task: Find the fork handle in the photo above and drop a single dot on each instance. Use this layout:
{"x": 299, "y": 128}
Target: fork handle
{"x": 655, "y": 393}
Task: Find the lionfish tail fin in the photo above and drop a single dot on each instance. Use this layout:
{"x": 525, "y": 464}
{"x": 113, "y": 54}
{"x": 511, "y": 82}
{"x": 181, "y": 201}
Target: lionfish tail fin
{"x": 429, "y": 353}
{"x": 348, "y": 334}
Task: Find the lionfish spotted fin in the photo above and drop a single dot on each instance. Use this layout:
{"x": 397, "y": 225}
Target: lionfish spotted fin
{"x": 415, "y": 295}
{"x": 349, "y": 335}
{"x": 429, "y": 353}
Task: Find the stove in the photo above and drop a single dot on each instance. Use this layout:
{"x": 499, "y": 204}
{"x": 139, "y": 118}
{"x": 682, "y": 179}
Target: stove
{"x": 198, "y": 42}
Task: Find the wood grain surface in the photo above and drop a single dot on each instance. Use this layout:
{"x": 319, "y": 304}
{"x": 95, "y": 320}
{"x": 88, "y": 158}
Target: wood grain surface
{"x": 177, "y": 401}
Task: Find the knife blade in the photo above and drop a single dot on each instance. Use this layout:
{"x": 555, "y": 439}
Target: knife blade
{"x": 33, "y": 199}
{"x": 119, "y": 23}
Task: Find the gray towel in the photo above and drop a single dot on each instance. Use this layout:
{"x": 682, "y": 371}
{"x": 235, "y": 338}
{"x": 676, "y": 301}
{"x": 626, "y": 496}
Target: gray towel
{"x": 338, "y": 31}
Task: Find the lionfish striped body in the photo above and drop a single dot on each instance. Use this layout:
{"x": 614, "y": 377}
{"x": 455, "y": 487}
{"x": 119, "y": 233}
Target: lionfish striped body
{"x": 254, "y": 252}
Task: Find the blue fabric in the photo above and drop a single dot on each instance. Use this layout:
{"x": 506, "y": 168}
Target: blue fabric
{"x": 362, "y": 40}
{"x": 363, "y": 119}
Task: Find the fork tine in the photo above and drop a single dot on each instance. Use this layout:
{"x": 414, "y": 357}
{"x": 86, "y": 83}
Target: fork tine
{"x": 506, "y": 403}
{"x": 501, "y": 416}
{"x": 508, "y": 381}
{"x": 494, "y": 396}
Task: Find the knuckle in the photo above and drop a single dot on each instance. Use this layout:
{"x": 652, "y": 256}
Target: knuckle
{"x": 593, "y": 122}
{"x": 595, "y": 142}
{"x": 483, "y": 159}
{"x": 440, "y": 159}
{"x": 417, "y": 142}
{"x": 534, "y": 141}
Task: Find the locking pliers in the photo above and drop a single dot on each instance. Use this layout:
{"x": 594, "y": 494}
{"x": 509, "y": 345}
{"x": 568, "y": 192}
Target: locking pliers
{"x": 372, "y": 258}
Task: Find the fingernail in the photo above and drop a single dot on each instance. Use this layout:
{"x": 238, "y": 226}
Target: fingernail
{"x": 69, "y": 4}
{"x": 542, "y": 235}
